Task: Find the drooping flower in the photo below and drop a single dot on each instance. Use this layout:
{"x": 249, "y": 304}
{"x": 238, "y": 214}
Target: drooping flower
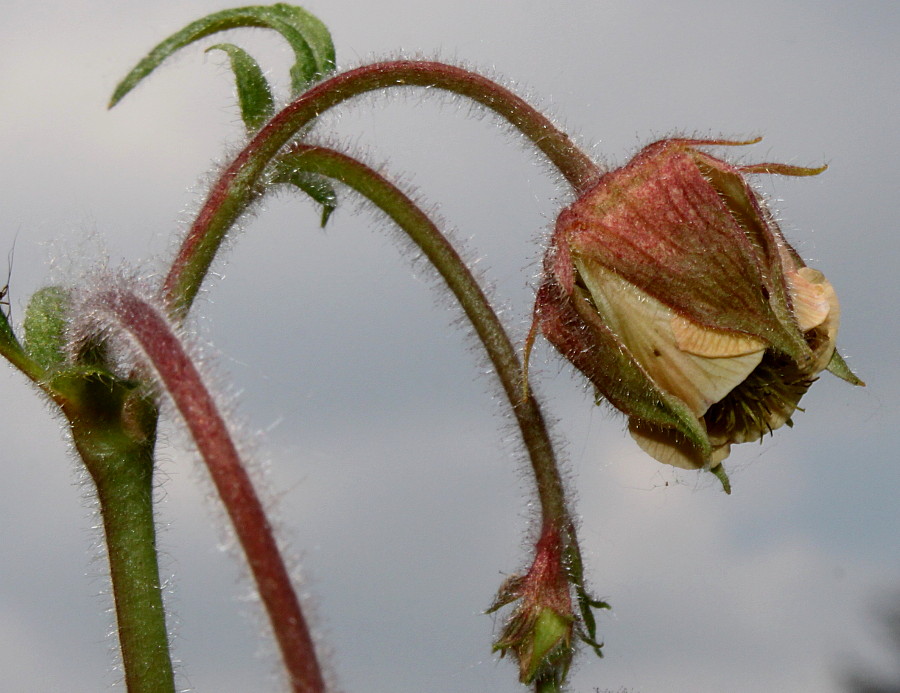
{"x": 670, "y": 286}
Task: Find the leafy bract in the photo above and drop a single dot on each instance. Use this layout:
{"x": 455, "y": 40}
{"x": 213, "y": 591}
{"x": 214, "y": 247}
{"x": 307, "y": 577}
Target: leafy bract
{"x": 285, "y": 171}
{"x": 307, "y": 36}
{"x": 839, "y": 367}
{"x": 254, "y": 95}
{"x": 45, "y": 326}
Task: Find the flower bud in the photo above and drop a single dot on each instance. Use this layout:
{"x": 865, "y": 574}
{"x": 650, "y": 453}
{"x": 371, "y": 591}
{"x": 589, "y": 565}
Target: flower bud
{"x": 670, "y": 286}
{"x": 539, "y": 631}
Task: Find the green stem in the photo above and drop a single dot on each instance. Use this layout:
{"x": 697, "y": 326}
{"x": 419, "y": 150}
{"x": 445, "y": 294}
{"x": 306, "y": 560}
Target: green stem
{"x": 119, "y": 456}
{"x": 240, "y": 182}
{"x": 464, "y": 286}
{"x": 127, "y": 509}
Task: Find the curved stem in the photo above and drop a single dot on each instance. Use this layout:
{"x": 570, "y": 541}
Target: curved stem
{"x": 555, "y": 518}
{"x": 434, "y": 245}
{"x": 239, "y": 183}
{"x": 183, "y": 383}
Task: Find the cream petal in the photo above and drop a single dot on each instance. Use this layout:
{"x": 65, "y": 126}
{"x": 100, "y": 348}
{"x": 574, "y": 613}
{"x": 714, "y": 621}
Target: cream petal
{"x": 645, "y": 326}
{"x": 701, "y": 381}
{"x": 718, "y": 454}
{"x": 703, "y": 341}
{"x": 809, "y": 291}
{"x": 815, "y": 307}
{"x": 665, "y": 445}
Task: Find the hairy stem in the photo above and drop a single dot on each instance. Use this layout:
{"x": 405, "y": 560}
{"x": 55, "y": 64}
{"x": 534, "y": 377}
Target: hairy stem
{"x": 435, "y": 246}
{"x": 555, "y": 517}
{"x": 123, "y": 474}
{"x": 183, "y": 383}
{"x": 240, "y": 181}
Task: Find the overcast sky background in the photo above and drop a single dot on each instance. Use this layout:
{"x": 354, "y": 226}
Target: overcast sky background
{"x": 393, "y": 470}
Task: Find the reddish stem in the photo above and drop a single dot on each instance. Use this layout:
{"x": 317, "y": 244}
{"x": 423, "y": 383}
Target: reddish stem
{"x": 239, "y": 182}
{"x": 183, "y": 383}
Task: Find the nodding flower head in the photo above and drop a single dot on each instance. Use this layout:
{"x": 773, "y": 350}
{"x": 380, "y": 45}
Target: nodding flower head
{"x": 671, "y": 288}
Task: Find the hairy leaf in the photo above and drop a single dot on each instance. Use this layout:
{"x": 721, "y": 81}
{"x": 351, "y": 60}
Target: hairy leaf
{"x": 307, "y": 36}
{"x": 254, "y": 95}
{"x": 316, "y": 186}
{"x": 45, "y": 326}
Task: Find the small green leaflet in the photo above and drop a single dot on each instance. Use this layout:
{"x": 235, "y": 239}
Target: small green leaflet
{"x": 254, "y": 95}
{"x": 307, "y": 36}
{"x": 316, "y": 186}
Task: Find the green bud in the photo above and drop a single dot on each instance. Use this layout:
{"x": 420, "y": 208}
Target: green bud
{"x": 550, "y": 647}
{"x": 539, "y": 631}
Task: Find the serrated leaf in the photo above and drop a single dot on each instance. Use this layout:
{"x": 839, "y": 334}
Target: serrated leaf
{"x": 254, "y": 95}
{"x": 587, "y": 633}
{"x": 316, "y": 186}
{"x": 307, "y": 36}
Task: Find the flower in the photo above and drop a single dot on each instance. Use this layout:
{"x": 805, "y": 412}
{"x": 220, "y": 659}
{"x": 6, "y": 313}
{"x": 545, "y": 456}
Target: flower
{"x": 671, "y": 288}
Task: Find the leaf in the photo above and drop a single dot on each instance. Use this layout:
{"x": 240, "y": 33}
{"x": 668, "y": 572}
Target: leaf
{"x": 316, "y": 186}
{"x": 307, "y": 36}
{"x": 45, "y": 326}
{"x": 587, "y": 629}
{"x": 314, "y": 34}
{"x": 254, "y": 96}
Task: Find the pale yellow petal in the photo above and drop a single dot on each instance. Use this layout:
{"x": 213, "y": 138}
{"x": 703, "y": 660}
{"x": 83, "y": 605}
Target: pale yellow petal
{"x": 816, "y": 307}
{"x": 645, "y": 326}
{"x": 703, "y": 341}
{"x": 809, "y": 291}
{"x": 705, "y": 381}
{"x": 666, "y": 445}
{"x": 719, "y": 453}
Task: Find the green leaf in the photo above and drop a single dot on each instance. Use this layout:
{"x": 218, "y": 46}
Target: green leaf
{"x": 587, "y": 629}
{"x": 45, "y": 326}
{"x": 314, "y": 33}
{"x": 588, "y": 632}
{"x": 307, "y": 36}
{"x": 12, "y": 350}
{"x": 254, "y": 95}
{"x": 316, "y": 186}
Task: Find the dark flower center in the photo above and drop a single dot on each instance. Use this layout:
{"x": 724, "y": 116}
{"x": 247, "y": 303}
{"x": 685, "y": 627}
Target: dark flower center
{"x": 768, "y": 396}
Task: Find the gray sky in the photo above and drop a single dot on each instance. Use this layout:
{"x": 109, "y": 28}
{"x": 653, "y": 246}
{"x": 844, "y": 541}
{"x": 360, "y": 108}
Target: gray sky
{"x": 393, "y": 470}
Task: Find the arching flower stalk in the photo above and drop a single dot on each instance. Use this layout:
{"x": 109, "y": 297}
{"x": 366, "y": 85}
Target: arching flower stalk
{"x": 667, "y": 283}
